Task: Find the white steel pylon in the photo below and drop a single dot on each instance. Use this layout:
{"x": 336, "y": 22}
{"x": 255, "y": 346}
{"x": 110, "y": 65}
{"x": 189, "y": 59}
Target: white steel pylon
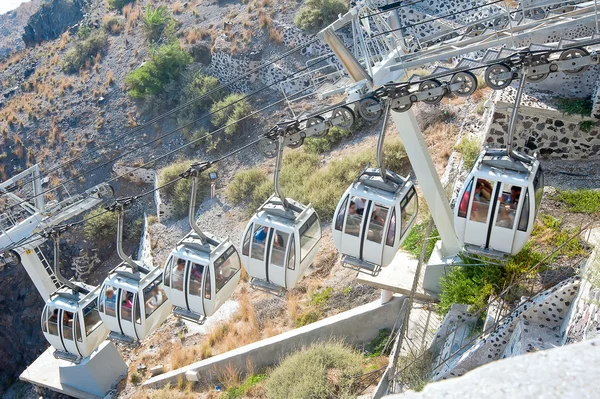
{"x": 24, "y": 212}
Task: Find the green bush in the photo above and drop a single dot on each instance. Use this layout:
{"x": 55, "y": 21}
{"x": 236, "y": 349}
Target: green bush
{"x": 316, "y": 14}
{"x": 469, "y": 148}
{"x": 307, "y": 317}
{"x": 377, "y": 345}
{"x": 118, "y": 4}
{"x": 100, "y": 227}
{"x": 413, "y": 243}
{"x": 239, "y": 392}
{"x": 229, "y": 110}
{"x": 575, "y": 106}
{"x": 156, "y": 21}
{"x": 301, "y": 178}
{"x": 580, "y": 201}
{"x": 165, "y": 65}
{"x": 324, "y": 370}
{"x": 470, "y": 285}
{"x": 197, "y": 87}
{"x": 84, "y": 50}
{"x": 179, "y": 192}
{"x": 334, "y": 136}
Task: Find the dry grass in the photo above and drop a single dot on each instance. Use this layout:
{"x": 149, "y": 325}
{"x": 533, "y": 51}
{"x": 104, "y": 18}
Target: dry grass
{"x": 276, "y": 35}
{"x": 109, "y": 77}
{"x": 264, "y": 20}
{"x": 177, "y": 7}
{"x": 440, "y": 138}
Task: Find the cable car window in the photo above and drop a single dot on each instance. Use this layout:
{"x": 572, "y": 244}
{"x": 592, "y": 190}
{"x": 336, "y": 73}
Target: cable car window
{"x": 354, "y": 218}
{"x": 280, "y": 241}
{"x": 538, "y": 185}
{"x": 77, "y": 329}
{"x": 91, "y": 318}
{"x": 110, "y": 300}
{"x": 67, "y": 325}
{"x": 507, "y": 207}
{"x": 45, "y": 320}
{"x": 178, "y": 274}
{"x": 258, "y": 243}
{"x": 167, "y": 272}
{"x": 126, "y": 305}
{"x": 310, "y": 233}
{"x": 408, "y": 209}
{"x": 154, "y": 297}
{"x": 291, "y": 263}
{"x": 391, "y": 234}
{"x": 524, "y": 219}
{"x": 481, "y": 200}
{"x": 53, "y": 323}
{"x": 377, "y": 223}
{"x": 226, "y": 267}
{"x": 136, "y": 302}
{"x": 464, "y": 201}
{"x": 207, "y": 285}
{"x": 196, "y": 279}
{"x": 339, "y": 221}
{"x": 246, "y": 247}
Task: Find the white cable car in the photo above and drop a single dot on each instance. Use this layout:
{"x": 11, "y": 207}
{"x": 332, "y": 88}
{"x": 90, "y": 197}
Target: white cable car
{"x": 374, "y": 216}
{"x": 72, "y": 325}
{"x": 202, "y": 271}
{"x": 70, "y": 319}
{"x": 281, "y": 240}
{"x": 498, "y": 203}
{"x": 132, "y": 299}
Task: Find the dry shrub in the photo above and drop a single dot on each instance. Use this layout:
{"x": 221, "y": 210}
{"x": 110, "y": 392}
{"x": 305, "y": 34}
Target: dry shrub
{"x": 440, "y": 139}
{"x": 182, "y": 356}
{"x": 275, "y": 35}
{"x": 230, "y": 376}
{"x": 177, "y": 7}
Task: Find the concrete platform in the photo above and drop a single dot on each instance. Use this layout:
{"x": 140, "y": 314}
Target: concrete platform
{"x": 91, "y": 379}
{"x": 398, "y": 277}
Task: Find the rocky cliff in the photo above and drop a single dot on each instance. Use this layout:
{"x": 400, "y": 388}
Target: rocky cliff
{"x": 21, "y": 339}
{"x": 52, "y": 19}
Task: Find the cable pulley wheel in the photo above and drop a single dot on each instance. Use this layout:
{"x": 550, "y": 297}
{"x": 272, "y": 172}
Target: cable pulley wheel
{"x": 491, "y": 73}
{"x": 537, "y": 14}
{"x": 363, "y": 109}
{"x": 315, "y": 120}
{"x": 268, "y": 147}
{"x": 428, "y": 85}
{"x": 468, "y": 81}
{"x": 11, "y": 258}
{"x": 571, "y": 54}
{"x": 297, "y": 143}
{"x": 347, "y": 117}
{"x": 536, "y": 78}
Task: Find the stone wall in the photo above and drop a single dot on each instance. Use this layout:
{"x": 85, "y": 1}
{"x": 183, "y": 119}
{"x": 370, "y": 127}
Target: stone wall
{"x": 135, "y": 175}
{"x": 584, "y": 319}
{"x": 546, "y": 131}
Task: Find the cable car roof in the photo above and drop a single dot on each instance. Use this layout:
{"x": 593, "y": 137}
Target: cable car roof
{"x": 370, "y": 185}
{"x": 123, "y": 277}
{"x": 273, "y": 213}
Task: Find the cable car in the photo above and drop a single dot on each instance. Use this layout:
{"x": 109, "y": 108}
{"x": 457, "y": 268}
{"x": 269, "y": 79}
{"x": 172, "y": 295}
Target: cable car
{"x": 374, "y": 215}
{"x": 72, "y": 325}
{"x": 497, "y": 220}
{"x": 132, "y": 300}
{"x": 133, "y": 303}
{"x": 373, "y": 218}
{"x": 202, "y": 271}
{"x": 280, "y": 241}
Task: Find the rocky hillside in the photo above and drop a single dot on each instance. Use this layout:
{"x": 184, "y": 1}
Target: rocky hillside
{"x": 12, "y": 24}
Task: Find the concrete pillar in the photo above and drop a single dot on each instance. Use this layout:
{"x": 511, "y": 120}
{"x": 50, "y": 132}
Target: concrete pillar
{"x": 386, "y": 296}
{"x": 429, "y": 181}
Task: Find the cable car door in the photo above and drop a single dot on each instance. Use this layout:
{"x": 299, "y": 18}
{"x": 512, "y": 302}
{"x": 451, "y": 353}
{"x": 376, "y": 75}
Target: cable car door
{"x": 372, "y": 250}
{"x": 194, "y": 287}
{"x": 179, "y": 279}
{"x": 69, "y": 327}
{"x": 353, "y": 229}
{"x": 256, "y": 264}
{"x": 505, "y": 221}
{"x": 480, "y": 211}
{"x": 50, "y": 325}
{"x": 128, "y": 311}
{"x": 208, "y": 293}
{"x": 278, "y": 243}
